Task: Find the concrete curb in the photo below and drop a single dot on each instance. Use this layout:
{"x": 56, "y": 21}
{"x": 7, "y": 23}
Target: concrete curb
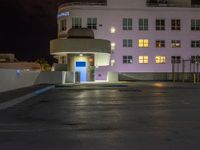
{"x": 21, "y": 99}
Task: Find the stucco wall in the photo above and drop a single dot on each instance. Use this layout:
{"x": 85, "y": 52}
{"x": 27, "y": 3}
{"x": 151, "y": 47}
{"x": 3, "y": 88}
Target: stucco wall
{"x": 14, "y": 79}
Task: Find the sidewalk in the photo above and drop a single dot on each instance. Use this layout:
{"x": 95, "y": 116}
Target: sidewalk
{"x": 7, "y": 99}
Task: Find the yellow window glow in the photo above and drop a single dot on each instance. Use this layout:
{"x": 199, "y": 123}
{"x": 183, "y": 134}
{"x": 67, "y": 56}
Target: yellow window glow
{"x": 143, "y": 43}
{"x": 160, "y": 59}
{"x": 143, "y": 59}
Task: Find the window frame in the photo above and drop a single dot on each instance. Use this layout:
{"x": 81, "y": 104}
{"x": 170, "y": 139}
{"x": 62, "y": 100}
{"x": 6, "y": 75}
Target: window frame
{"x": 195, "y": 43}
{"x": 127, "y": 43}
{"x": 127, "y": 59}
{"x": 160, "y": 59}
{"x": 176, "y": 24}
{"x": 76, "y": 22}
{"x": 160, "y": 24}
{"x": 143, "y": 24}
{"x": 143, "y": 59}
{"x": 143, "y": 43}
{"x": 174, "y": 42}
{"x": 162, "y": 44}
{"x": 127, "y": 24}
{"x": 92, "y": 23}
{"x": 195, "y": 24}
{"x": 63, "y": 25}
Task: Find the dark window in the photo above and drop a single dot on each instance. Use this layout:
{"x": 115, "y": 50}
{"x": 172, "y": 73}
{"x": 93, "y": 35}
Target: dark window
{"x": 92, "y": 23}
{"x": 127, "y": 24}
{"x": 160, "y": 24}
{"x": 127, "y": 43}
{"x": 176, "y": 24}
{"x": 143, "y": 24}
{"x": 195, "y": 25}
{"x": 176, "y": 59}
{"x": 127, "y": 59}
{"x": 160, "y": 43}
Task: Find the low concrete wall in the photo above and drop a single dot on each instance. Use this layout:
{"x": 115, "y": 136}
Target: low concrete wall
{"x": 55, "y": 77}
{"x": 154, "y": 76}
{"x": 14, "y": 79}
{"x": 113, "y": 77}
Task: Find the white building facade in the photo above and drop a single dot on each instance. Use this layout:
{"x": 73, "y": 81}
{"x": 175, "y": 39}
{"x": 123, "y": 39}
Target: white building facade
{"x": 149, "y": 39}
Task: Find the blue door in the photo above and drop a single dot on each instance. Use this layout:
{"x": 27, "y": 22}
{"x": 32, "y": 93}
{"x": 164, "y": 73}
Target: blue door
{"x": 81, "y": 67}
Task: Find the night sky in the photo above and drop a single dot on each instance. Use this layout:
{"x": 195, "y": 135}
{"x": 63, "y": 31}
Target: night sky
{"x": 27, "y": 26}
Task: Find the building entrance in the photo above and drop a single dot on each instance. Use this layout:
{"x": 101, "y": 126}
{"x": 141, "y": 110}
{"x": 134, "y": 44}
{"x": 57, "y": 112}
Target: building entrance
{"x": 81, "y": 66}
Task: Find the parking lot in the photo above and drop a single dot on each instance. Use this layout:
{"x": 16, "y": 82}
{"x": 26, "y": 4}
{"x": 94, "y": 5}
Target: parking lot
{"x": 129, "y": 116}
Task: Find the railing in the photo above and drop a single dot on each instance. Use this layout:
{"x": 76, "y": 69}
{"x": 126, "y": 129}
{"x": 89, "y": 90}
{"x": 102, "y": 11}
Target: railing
{"x": 149, "y": 4}
{"x": 98, "y": 3}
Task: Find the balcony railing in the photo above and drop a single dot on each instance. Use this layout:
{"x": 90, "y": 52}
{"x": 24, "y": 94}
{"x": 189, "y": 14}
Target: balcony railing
{"x": 149, "y": 4}
{"x": 97, "y": 3}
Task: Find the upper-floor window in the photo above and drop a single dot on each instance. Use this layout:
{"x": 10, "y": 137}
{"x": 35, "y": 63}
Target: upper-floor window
{"x": 176, "y": 44}
{"x": 160, "y": 59}
{"x": 92, "y": 23}
{"x": 127, "y": 24}
{"x": 76, "y": 22}
{"x": 63, "y": 25}
{"x": 160, "y": 24}
{"x": 143, "y": 59}
{"x": 143, "y": 43}
{"x": 195, "y": 24}
{"x": 195, "y": 44}
{"x": 143, "y": 24}
{"x": 160, "y": 44}
{"x": 127, "y": 59}
{"x": 127, "y": 43}
{"x": 176, "y": 24}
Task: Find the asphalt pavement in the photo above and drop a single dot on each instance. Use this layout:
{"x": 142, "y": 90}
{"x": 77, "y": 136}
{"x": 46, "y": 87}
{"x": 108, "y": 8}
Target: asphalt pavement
{"x": 128, "y": 116}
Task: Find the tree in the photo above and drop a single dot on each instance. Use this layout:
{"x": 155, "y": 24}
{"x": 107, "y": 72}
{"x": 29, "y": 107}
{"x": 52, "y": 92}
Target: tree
{"x": 43, "y": 64}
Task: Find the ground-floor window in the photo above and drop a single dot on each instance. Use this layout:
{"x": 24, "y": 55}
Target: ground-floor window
{"x": 176, "y": 59}
{"x": 160, "y": 59}
{"x": 195, "y": 44}
{"x": 127, "y": 59}
{"x": 143, "y": 59}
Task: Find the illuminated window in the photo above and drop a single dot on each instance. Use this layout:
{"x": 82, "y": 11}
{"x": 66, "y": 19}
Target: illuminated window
{"x": 127, "y": 24}
{"x": 176, "y": 24}
{"x": 143, "y": 24}
{"x": 160, "y": 24}
{"x": 143, "y": 43}
{"x": 92, "y": 23}
{"x": 160, "y": 59}
{"x": 113, "y": 46}
{"x": 160, "y": 43}
{"x": 143, "y": 59}
{"x": 195, "y": 44}
{"x": 176, "y": 43}
{"x": 127, "y": 59}
{"x": 195, "y": 24}
{"x": 76, "y": 22}
{"x": 127, "y": 43}
{"x": 63, "y": 25}
{"x": 112, "y": 30}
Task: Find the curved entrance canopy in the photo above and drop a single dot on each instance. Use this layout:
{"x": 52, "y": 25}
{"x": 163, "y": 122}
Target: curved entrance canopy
{"x": 99, "y": 47}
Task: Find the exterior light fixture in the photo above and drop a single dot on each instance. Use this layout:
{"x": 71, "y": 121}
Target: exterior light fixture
{"x": 112, "y": 62}
{"x": 112, "y": 30}
{"x": 113, "y": 46}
